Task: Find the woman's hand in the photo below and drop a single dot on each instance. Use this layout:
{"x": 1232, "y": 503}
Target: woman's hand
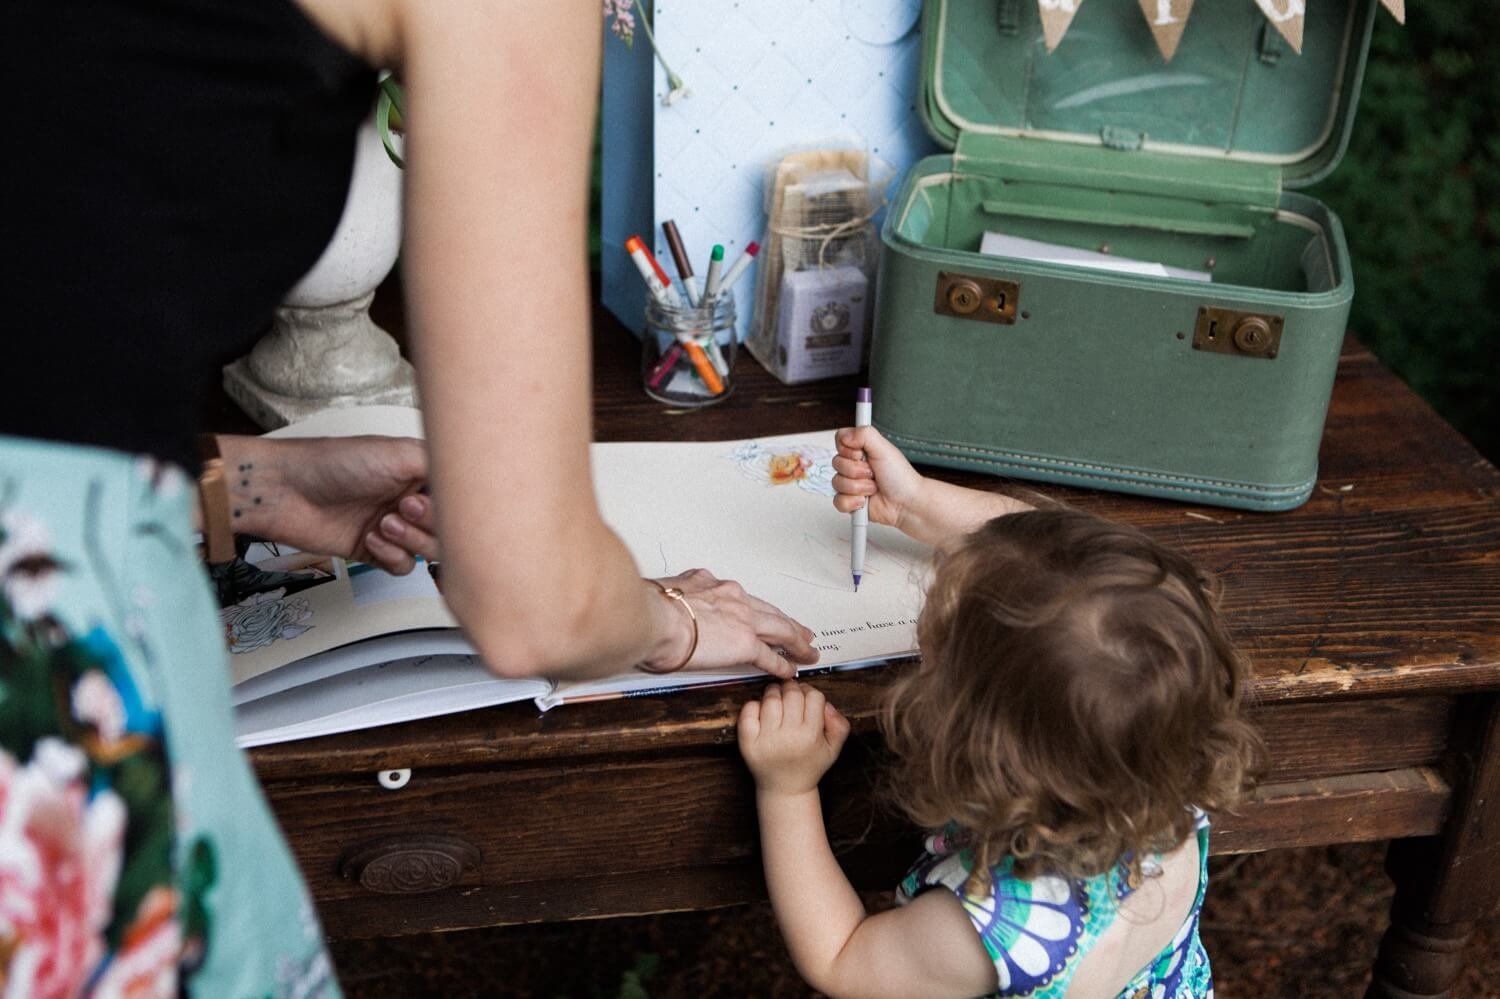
{"x": 734, "y": 629}
{"x": 790, "y": 737}
{"x": 355, "y": 497}
{"x": 870, "y": 469}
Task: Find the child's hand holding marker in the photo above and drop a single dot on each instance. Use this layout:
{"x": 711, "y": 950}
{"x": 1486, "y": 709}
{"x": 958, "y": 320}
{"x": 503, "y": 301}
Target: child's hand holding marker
{"x": 871, "y": 470}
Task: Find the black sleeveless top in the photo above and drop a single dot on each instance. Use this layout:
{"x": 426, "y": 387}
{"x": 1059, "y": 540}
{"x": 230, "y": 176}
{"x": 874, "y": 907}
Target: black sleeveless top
{"x": 170, "y": 169}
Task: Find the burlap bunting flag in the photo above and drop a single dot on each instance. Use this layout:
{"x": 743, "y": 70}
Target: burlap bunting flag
{"x": 1168, "y": 18}
{"x": 1056, "y": 16}
{"x": 1286, "y": 16}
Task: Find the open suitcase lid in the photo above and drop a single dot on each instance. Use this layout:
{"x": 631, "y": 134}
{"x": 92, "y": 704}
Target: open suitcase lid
{"x": 1236, "y": 115}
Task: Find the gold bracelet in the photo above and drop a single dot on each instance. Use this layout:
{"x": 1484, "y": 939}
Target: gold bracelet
{"x": 673, "y": 593}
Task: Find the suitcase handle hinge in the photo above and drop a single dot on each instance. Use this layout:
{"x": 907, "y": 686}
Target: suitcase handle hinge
{"x": 1119, "y": 137}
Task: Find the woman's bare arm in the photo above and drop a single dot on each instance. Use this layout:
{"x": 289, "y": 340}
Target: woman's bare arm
{"x": 501, "y": 98}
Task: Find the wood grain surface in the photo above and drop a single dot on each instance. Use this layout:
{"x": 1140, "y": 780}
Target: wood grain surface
{"x": 1371, "y": 615}
{"x": 1391, "y": 586}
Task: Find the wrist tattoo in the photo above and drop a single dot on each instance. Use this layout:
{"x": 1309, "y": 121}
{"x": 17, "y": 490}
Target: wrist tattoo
{"x": 244, "y": 495}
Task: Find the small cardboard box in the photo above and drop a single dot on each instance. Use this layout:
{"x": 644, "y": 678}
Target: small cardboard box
{"x": 820, "y": 324}
{"x": 1155, "y": 383}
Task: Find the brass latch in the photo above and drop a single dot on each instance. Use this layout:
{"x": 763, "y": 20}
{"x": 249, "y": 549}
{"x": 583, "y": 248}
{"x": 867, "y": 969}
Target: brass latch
{"x": 987, "y": 299}
{"x": 1225, "y": 331}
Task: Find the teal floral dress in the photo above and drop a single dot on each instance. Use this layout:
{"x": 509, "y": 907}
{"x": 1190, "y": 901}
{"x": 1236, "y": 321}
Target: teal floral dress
{"x": 137, "y": 855}
{"x": 1038, "y": 930}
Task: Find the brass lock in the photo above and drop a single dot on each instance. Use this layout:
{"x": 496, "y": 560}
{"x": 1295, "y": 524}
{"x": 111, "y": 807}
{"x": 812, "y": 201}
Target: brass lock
{"x": 1248, "y": 334}
{"x": 987, "y": 299}
{"x": 1252, "y": 335}
{"x": 964, "y": 297}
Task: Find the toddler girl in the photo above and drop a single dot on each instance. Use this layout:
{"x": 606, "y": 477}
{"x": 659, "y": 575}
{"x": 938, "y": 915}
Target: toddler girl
{"x": 1076, "y": 708}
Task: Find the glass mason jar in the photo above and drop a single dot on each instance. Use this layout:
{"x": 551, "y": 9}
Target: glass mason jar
{"x": 687, "y": 353}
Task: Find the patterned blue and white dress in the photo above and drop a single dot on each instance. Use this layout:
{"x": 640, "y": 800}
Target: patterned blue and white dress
{"x": 137, "y": 855}
{"x": 1038, "y": 930}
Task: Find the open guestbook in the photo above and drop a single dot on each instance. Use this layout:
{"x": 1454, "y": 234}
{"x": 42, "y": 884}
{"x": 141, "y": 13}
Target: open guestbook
{"x": 322, "y": 645}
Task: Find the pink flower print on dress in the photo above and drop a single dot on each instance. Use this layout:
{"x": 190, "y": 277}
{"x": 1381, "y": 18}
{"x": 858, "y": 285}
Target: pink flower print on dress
{"x": 165, "y": 480}
{"x": 28, "y": 572}
{"x": 96, "y": 702}
{"x": 60, "y": 856}
{"x": 146, "y": 965}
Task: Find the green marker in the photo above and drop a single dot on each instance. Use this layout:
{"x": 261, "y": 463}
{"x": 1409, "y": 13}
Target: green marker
{"x": 711, "y": 280}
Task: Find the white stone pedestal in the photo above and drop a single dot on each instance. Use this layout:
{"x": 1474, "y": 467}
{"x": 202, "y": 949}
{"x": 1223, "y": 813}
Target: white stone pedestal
{"x": 324, "y": 350}
{"x": 319, "y": 358}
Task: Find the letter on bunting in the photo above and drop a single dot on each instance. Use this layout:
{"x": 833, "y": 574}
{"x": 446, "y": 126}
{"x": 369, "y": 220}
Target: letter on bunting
{"x": 1056, "y": 16}
{"x": 1167, "y": 19}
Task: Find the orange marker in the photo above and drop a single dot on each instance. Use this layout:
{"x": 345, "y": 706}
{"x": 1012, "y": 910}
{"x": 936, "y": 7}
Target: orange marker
{"x": 703, "y": 366}
{"x": 661, "y": 289}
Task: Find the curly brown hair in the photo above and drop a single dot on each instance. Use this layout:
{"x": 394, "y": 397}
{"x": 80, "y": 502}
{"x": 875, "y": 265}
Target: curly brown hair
{"x": 1078, "y": 692}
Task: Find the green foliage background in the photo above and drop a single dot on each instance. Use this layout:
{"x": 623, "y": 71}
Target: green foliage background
{"x": 1419, "y": 195}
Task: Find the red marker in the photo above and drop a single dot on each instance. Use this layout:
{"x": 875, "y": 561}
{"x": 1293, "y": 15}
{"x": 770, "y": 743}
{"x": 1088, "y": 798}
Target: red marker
{"x": 737, "y": 270}
{"x": 668, "y": 360}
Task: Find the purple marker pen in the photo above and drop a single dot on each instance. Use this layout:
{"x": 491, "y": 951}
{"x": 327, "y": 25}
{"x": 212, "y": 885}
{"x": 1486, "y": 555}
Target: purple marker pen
{"x": 859, "y": 519}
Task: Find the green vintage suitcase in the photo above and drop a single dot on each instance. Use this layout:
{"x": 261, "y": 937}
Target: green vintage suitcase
{"x": 1209, "y": 392}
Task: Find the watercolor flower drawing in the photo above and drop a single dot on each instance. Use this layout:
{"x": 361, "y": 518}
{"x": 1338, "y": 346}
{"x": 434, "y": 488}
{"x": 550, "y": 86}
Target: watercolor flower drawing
{"x": 787, "y": 468}
{"x": 263, "y": 618}
{"x": 809, "y": 468}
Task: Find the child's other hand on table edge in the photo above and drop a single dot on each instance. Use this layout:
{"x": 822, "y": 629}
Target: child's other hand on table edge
{"x": 790, "y": 737}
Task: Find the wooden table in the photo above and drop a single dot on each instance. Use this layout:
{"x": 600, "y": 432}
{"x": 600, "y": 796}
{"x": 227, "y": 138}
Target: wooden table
{"x": 1372, "y": 616}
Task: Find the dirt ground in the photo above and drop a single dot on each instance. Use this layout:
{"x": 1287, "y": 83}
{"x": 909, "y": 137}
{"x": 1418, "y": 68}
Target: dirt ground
{"x": 1301, "y": 923}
